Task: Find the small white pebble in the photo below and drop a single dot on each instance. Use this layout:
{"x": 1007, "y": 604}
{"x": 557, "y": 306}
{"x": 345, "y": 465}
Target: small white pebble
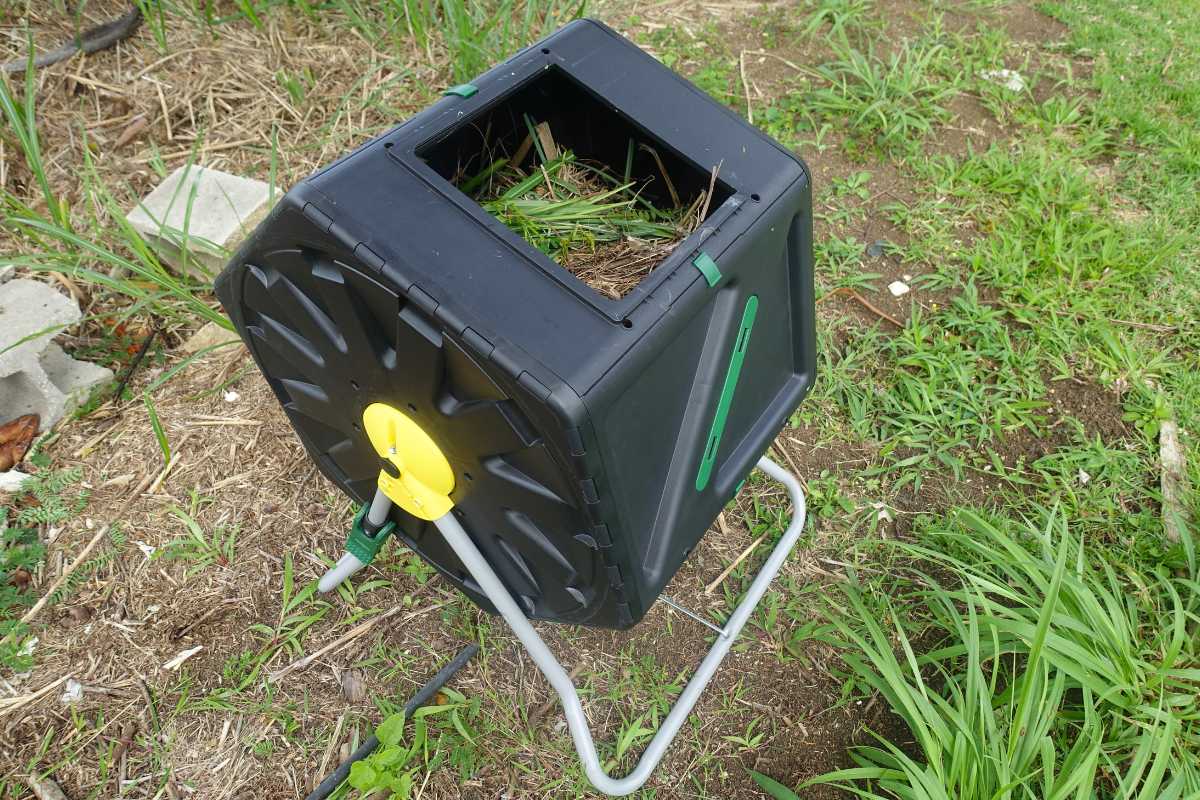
{"x": 898, "y": 288}
{"x": 232, "y": 397}
{"x": 74, "y": 692}
{"x": 1084, "y": 478}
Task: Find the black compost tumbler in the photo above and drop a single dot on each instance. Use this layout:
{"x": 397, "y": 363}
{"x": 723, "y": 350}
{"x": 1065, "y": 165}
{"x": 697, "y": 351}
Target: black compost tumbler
{"x": 592, "y": 441}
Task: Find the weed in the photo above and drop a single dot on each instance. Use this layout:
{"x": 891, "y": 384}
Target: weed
{"x": 469, "y": 35}
{"x": 441, "y": 735}
{"x": 954, "y": 382}
{"x": 842, "y": 16}
{"x": 197, "y": 547}
{"x": 892, "y": 102}
{"x": 56, "y": 497}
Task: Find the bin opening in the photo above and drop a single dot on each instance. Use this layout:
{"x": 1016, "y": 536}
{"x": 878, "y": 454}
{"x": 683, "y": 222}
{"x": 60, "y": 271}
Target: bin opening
{"x": 578, "y": 180}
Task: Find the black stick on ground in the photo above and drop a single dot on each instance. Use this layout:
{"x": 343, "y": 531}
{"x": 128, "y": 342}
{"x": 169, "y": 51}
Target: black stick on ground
{"x": 92, "y": 40}
{"x": 423, "y": 696}
{"x": 135, "y": 362}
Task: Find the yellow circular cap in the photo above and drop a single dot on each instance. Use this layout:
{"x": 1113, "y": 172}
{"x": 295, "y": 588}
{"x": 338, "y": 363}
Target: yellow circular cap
{"x": 426, "y": 480}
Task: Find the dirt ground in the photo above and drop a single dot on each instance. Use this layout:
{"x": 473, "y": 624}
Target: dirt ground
{"x": 238, "y": 465}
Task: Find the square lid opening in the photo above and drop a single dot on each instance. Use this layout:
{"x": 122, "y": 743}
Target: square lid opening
{"x": 602, "y": 198}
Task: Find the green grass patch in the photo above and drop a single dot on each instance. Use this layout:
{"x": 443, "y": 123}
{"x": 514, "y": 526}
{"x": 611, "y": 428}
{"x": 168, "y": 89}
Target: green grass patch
{"x": 1052, "y": 674}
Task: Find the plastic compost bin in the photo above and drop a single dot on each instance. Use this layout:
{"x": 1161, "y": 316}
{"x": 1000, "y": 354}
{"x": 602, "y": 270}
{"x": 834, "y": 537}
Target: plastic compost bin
{"x": 594, "y": 441}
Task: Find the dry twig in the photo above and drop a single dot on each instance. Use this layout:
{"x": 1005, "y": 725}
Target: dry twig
{"x": 79, "y": 560}
{"x": 734, "y": 564}
{"x": 746, "y": 88}
{"x": 867, "y": 304}
{"x": 336, "y": 644}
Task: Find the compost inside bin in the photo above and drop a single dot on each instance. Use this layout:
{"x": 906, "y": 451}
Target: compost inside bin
{"x": 575, "y": 178}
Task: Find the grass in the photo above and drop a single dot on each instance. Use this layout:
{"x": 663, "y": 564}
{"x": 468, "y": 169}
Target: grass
{"x": 596, "y": 225}
{"x": 952, "y": 384}
{"x": 986, "y": 562}
{"x": 891, "y": 101}
{"x": 73, "y": 243}
{"x": 1052, "y": 675}
{"x": 471, "y": 35}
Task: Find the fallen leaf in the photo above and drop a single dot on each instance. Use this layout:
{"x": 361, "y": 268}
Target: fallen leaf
{"x": 15, "y": 438}
{"x": 131, "y": 132}
{"x": 19, "y": 579}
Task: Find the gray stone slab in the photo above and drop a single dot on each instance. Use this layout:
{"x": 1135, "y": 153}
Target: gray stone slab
{"x": 75, "y": 379}
{"x": 197, "y": 216}
{"x": 31, "y": 313}
{"x": 36, "y": 376}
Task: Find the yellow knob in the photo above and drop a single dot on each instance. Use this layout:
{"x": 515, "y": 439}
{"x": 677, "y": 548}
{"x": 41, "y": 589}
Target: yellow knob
{"x": 425, "y": 479}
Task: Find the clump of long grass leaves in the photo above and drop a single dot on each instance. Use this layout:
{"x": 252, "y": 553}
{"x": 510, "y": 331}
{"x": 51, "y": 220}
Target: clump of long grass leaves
{"x": 599, "y": 227}
{"x": 96, "y": 244}
{"x": 1059, "y": 674}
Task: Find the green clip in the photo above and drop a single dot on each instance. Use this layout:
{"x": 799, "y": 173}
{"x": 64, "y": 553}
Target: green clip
{"x": 362, "y": 546}
{"x": 708, "y": 268}
{"x": 462, "y": 90}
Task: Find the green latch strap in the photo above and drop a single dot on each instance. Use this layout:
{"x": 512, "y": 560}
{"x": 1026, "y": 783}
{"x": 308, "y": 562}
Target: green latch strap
{"x": 462, "y": 90}
{"x": 731, "y": 379}
{"x": 362, "y": 546}
{"x": 708, "y": 268}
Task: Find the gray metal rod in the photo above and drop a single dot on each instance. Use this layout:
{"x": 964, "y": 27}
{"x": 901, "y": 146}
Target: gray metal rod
{"x": 381, "y": 504}
{"x": 687, "y": 612}
{"x": 483, "y": 574}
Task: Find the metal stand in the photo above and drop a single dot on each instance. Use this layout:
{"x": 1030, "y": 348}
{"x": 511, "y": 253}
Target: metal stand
{"x": 483, "y": 574}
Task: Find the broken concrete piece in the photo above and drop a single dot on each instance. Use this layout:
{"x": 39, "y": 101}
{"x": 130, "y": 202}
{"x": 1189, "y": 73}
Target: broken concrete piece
{"x": 7, "y": 272}
{"x": 36, "y": 376}
{"x": 210, "y": 334}
{"x": 1174, "y": 481}
{"x": 197, "y": 216}
{"x": 898, "y": 288}
{"x": 13, "y": 481}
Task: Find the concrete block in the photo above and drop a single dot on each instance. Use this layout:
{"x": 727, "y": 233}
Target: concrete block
{"x": 208, "y": 335}
{"x": 36, "y": 376}
{"x": 197, "y": 216}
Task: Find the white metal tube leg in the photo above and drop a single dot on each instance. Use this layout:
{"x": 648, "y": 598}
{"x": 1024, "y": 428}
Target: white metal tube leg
{"x": 349, "y": 564}
{"x": 483, "y": 574}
